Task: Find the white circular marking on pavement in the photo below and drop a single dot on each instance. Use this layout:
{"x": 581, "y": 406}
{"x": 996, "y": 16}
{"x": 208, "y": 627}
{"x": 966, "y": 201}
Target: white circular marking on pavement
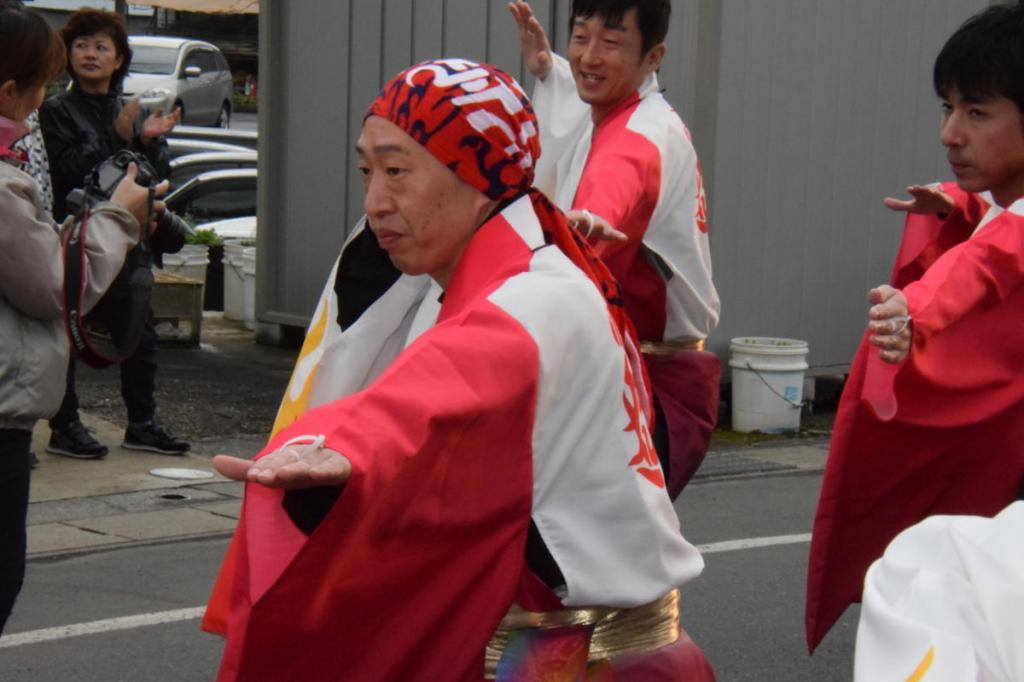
{"x": 182, "y": 474}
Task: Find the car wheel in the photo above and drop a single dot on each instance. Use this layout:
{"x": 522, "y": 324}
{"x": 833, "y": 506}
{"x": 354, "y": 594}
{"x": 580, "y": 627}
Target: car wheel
{"x": 180, "y": 106}
{"x": 224, "y": 118}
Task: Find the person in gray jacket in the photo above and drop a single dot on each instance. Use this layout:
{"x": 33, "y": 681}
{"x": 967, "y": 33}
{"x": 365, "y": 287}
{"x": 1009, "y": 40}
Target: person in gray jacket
{"x": 33, "y": 347}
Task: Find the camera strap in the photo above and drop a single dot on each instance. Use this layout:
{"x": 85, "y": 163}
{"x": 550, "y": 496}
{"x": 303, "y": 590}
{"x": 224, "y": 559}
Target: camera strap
{"x": 99, "y": 348}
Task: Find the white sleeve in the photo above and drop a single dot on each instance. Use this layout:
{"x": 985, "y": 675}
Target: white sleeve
{"x": 946, "y": 598}
{"x": 563, "y": 119}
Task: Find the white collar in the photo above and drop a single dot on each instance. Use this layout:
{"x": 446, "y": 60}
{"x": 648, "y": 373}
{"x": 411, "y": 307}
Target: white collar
{"x": 994, "y": 211}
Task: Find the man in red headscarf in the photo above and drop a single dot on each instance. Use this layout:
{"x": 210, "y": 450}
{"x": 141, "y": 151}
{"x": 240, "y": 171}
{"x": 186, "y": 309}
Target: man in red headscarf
{"x": 489, "y": 503}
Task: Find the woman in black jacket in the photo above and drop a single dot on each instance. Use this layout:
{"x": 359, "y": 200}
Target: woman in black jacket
{"x": 82, "y": 127}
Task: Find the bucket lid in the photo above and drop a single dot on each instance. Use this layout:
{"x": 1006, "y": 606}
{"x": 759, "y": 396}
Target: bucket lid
{"x": 767, "y": 345}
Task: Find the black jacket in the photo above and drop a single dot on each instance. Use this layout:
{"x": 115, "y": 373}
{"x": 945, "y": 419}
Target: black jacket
{"x": 78, "y": 129}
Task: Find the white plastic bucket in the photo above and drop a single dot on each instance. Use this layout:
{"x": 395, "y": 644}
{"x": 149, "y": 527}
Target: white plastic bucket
{"x": 234, "y": 282}
{"x": 190, "y": 262}
{"x": 767, "y": 383}
{"x": 249, "y": 286}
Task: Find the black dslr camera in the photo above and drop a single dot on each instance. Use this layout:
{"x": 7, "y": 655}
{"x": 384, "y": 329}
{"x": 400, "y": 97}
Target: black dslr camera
{"x": 91, "y": 340}
{"x": 102, "y": 180}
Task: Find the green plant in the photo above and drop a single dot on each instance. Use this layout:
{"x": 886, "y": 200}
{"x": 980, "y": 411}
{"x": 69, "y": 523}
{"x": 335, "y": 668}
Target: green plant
{"x": 247, "y": 242}
{"x": 243, "y": 103}
{"x": 204, "y": 236}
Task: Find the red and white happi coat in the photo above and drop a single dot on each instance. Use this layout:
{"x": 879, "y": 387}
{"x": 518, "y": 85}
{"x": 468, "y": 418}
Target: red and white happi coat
{"x": 638, "y": 170}
{"x": 517, "y": 404}
{"x": 941, "y": 432}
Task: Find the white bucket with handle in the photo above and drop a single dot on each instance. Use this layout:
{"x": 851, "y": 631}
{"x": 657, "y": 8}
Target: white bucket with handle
{"x": 249, "y": 287}
{"x": 767, "y": 383}
{"x": 234, "y": 281}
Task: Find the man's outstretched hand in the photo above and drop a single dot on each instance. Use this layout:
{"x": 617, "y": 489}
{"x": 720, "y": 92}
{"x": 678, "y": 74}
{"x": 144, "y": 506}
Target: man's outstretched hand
{"x": 533, "y": 40}
{"x": 927, "y": 199}
{"x": 593, "y": 225}
{"x": 295, "y": 467}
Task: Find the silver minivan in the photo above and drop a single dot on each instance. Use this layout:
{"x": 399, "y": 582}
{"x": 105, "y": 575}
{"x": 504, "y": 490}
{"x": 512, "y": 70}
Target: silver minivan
{"x": 178, "y": 72}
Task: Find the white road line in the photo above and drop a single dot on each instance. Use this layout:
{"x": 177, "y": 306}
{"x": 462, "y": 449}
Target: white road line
{"x": 753, "y": 543}
{"x": 146, "y": 619}
{"x": 97, "y": 626}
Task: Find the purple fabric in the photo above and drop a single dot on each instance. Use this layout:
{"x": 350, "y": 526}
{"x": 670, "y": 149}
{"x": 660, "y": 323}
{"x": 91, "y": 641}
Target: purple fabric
{"x": 686, "y": 387}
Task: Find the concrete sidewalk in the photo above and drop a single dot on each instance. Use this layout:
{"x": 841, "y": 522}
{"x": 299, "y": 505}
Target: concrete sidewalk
{"x": 85, "y": 505}
{"x": 222, "y": 397}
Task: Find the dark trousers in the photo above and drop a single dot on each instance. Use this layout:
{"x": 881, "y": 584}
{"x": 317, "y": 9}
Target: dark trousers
{"x": 138, "y": 371}
{"x": 15, "y": 468}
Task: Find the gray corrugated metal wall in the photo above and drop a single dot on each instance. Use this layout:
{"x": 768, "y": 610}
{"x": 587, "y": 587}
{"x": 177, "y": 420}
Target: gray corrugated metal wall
{"x": 823, "y": 108}
{"x": 805, "y": 113}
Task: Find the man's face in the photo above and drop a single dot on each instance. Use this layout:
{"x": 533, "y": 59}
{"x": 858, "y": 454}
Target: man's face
{"x": 422, "y": 214}
{"x": 985, "y": 145}
{"x": 94, "y": 59}
{"x": 608, "y": 62}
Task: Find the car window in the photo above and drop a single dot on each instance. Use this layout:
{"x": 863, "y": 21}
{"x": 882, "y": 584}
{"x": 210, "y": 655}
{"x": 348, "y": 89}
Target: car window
{"x": 153, "y": 59}
{"x": 207, "y": 62}
{"x": 193, "y": 59}
{"x": 219, "y": 203}
{"x": 222, "y": 63}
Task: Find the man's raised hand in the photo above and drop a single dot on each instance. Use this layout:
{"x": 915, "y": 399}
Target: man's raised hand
{"x": 533, "y": 40}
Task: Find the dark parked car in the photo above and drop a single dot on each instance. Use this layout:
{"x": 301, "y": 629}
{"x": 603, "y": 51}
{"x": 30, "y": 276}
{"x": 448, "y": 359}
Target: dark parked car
{"x": 215, "y": 195}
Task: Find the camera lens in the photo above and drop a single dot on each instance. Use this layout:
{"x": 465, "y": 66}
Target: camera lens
{"x": 173, "y": 226}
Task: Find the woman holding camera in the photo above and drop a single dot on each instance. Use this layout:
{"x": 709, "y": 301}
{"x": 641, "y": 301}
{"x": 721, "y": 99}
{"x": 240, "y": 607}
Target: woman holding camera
{"x": 83, "y": 127}
{"x": 33, "y": 346}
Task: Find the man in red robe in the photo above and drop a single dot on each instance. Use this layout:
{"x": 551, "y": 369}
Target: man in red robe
{"x": 932, "y": 417}
{"x": 616, "y": 155}
{"x": 490, "y": 504}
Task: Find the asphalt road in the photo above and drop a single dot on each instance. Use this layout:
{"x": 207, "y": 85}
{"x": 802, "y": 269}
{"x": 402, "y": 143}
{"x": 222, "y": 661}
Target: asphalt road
{"x": 746, "y": 610}
{"x": 244, "y": 121}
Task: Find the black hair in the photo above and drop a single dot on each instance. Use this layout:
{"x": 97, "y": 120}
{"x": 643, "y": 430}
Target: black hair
{"x": 651, "y": 16}
{"x": 87, "y": 22}
{"x": 31, "y": 53}
{"x": 985, "y": 57}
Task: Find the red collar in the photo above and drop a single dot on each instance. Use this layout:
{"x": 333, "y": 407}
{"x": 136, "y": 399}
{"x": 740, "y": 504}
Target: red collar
{"x": 11, "y": 132}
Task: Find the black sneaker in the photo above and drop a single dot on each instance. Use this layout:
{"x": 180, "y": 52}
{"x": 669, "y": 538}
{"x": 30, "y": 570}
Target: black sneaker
{"x": 74, "y": 440}
{"x": 155, "y": 437}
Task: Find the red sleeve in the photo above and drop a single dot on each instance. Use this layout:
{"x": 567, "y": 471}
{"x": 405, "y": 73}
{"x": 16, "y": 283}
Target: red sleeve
{"x": 965, "y": 322}
{"x": 412, "y": 569}
{"x": 927, "y": 237}
{"x": 981, "y": 272}
{"x": 621, "y": 183}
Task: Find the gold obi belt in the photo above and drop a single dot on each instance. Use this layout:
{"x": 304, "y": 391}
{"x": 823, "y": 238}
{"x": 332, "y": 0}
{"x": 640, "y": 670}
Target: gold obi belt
{"x": 616, "y": 631}
{"x": 670, "y": 347}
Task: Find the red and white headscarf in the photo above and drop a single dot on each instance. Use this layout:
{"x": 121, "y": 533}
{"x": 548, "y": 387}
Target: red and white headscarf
{"x": 472, "y": 117}
{"x": 476, "y": 120}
